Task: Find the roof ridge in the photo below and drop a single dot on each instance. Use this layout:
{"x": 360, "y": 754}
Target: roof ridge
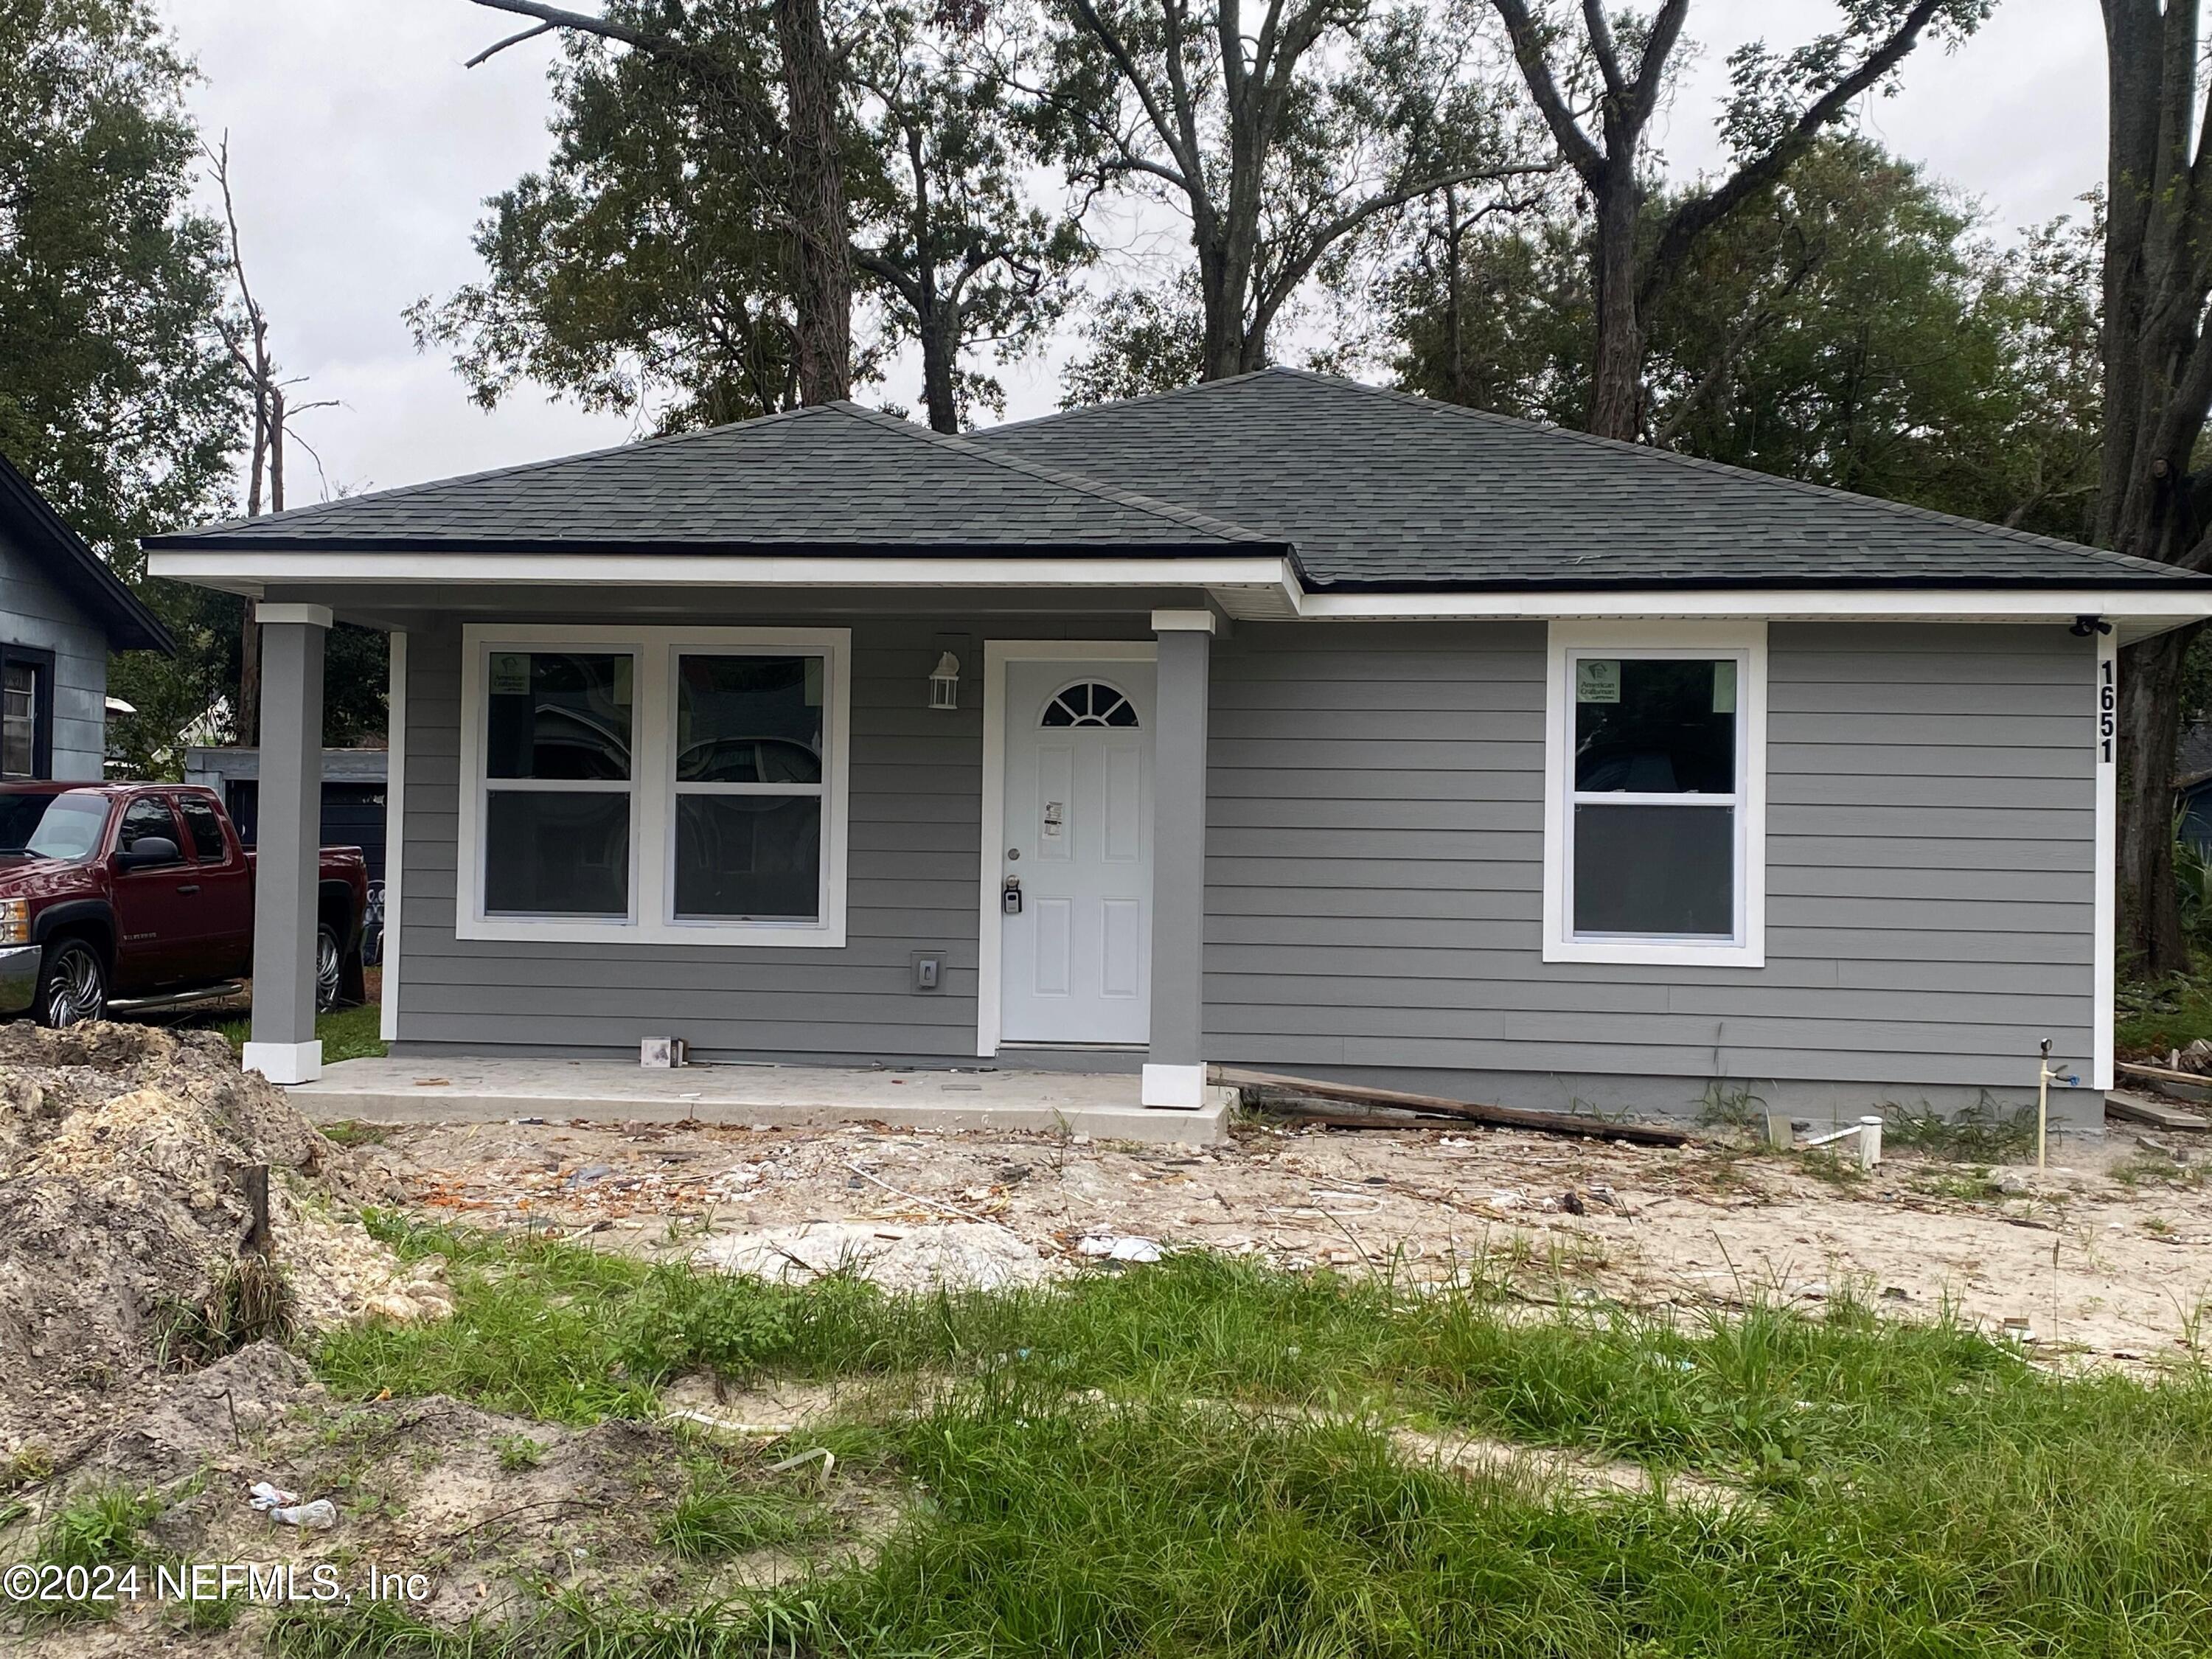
{"x": 1438, "y": 407}
{"x": 628, "y": 447}
{"x": 1189, "y": 517}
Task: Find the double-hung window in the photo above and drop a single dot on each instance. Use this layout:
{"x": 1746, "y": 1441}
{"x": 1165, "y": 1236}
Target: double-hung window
{"x": 677, "y": 785}
{"x": 1654, "y": 807}
{"x": 27, "y": 713}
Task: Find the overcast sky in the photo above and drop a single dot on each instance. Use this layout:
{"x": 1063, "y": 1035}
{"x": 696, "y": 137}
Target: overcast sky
{"x": 360, "y": 150}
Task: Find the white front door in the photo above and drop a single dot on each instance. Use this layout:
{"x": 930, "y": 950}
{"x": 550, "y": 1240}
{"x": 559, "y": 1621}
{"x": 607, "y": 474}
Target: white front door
{"x": 1076, "y": 960}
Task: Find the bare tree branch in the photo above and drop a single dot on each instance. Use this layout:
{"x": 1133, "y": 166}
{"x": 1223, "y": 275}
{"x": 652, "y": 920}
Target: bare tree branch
{"x": 516, "y": 40}
{"x": 1575, "y": 145}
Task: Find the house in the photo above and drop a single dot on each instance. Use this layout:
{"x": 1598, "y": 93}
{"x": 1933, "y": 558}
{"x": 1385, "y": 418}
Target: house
{"x": 61, "y": 611}
{"x": 1282, "y": 721}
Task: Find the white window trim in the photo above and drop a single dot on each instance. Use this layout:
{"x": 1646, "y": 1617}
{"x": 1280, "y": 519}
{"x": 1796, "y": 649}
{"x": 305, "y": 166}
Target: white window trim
{"x": 652, "y": 785}
{"x": 1746, "y": 642}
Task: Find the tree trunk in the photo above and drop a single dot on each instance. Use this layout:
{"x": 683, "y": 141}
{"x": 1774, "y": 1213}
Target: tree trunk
{"x": 940, "y": 344}
{"x": 1221, "y": 353}
{"x": 822, "y": 286}
{"x": 1454, "y": 327}
{"x": 1617, "y": 373}
{"x": 2150, "y": 733}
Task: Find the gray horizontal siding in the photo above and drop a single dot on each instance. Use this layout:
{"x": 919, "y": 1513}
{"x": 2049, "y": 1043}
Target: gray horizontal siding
{"x": 1375, "y": 876}
{"x": 35, "y": 612}
{"x": 916, "y": 784}
{"x": 1374, "y": 851}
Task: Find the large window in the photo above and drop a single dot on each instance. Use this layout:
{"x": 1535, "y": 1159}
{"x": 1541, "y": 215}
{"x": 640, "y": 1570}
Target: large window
{"x": 654, "y": 784}
{"x": 1654, "y": 831}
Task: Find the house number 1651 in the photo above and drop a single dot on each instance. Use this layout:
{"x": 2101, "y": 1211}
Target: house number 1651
{"x": 2107, "y": 720}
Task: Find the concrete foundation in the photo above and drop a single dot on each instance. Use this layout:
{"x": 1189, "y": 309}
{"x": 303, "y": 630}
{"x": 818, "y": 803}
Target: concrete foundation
{"x": 404, "y": 1089}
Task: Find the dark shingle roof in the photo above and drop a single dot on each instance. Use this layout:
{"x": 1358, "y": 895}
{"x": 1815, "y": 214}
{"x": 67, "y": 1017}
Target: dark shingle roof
{"x": 835, "y": 477}
{"x": 61, "y": 553}
{"x": 1365, "y": 488}
{"x": 1386, "y": 490}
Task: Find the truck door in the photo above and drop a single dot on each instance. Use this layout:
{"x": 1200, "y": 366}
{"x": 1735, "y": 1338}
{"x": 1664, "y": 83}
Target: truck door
{"x": 153, "y": 902}
{"x": 220, "y": 946}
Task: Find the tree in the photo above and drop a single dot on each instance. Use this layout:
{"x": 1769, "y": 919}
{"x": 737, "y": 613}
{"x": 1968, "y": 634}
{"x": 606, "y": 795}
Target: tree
{"x": 2155, "y": 497}
{"x": 1852, "y": 328}
{"x": 644, "y": 270}
{"x": 961, "y": 260}
{"x": 117, "y": 395}
{"x": 1141, "y": 341}
{"x": 1280, "y": 140}
{"x": 1778, "y": 108}
{"x": 1849, "y": 326}
{"x": 648, "y": 267}
{"x": 1491, "y": 312}
{"x": 722, "y": 66}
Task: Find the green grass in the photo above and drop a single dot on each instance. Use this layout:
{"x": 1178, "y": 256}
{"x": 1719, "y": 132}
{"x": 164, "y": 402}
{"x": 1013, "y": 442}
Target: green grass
{"x": 717, "y": 1515}
{"x": 104, "y": 1527}
{"x": 347, "y": 1034}
{"x": 1095, "y": 1479}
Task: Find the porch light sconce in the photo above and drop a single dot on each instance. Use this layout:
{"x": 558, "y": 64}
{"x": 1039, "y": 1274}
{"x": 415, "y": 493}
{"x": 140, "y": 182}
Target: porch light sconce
{"x": 944, "y": 683}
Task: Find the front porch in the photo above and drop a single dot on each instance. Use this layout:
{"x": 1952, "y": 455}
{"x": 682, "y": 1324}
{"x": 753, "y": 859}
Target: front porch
{"x": 869, "y": 938}
{"x": 1105, "y": 1106}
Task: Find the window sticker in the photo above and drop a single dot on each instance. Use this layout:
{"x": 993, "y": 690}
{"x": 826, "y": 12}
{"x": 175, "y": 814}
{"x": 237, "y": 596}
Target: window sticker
{"x": 1724, "y": 687}
{"x": 1597, "y": 679}
{"x": 510, "y": 673}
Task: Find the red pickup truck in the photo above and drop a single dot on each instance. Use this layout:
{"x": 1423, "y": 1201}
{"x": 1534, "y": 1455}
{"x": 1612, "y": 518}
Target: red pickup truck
{"x": 132, "y": 897}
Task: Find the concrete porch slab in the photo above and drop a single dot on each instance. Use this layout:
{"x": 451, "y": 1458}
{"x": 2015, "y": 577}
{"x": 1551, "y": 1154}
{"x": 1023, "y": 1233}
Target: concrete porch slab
{"x": 401, "y": 1091}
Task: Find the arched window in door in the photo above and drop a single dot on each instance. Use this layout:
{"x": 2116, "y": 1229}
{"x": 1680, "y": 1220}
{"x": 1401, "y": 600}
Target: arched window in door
{"x": 1091, "y": 703}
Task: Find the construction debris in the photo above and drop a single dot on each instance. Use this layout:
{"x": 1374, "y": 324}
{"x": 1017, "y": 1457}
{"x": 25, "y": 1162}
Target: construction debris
{"x": 125, "y": 1152}
{"x": 1298, "y": 1096}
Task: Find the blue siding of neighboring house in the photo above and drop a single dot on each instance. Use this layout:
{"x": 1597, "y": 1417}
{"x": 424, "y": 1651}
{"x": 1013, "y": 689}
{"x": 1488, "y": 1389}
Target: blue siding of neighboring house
{"x": 35, "y": 613}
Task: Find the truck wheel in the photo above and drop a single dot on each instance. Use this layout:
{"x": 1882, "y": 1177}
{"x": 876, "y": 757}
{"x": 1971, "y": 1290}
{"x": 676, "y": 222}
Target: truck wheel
{"x": 72, "y": 984}
{"x": 330, "y": 969}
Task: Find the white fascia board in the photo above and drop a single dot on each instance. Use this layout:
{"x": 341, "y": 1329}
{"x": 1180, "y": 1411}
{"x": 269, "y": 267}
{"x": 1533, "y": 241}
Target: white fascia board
{"x": 2163, "y": 607}
{"x": 1254, "y": 585}
{"x": 218, "y": 567}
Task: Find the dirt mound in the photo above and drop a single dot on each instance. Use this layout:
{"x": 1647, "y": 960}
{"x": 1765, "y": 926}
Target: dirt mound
{"x": 121, "y": 1154}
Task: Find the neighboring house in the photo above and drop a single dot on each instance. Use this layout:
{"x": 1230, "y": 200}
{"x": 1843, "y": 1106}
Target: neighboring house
{"x": 1286, "y": 722}
{"x": 353, "y": 796}
{"x": 61, "y": 611}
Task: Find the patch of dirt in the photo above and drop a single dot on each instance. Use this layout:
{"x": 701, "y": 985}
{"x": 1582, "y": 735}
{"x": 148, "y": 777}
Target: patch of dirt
{"x": 2110, "y": 1259}
{"x": 122, "y": 1149}
{"x": 491, "y": 1510}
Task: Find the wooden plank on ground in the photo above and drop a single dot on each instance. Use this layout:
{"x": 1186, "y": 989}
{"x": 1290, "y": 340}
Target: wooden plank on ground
{"x": 2188, "y": 1085}
{"x": 2137, "y": 1109}
{"x": 1506, "y": 1117}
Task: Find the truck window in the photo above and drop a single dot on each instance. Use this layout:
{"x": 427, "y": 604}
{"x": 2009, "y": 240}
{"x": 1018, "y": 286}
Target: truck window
{"x": 148, "y": 815}
{"x": 206, "y": 829}
{"x": 62, "y": 825}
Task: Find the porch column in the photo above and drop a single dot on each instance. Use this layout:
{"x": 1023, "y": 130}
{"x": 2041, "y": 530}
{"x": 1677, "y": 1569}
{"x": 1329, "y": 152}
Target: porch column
{"x": 1174, "y": 1069}
{"x": 284, "y": 1048}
